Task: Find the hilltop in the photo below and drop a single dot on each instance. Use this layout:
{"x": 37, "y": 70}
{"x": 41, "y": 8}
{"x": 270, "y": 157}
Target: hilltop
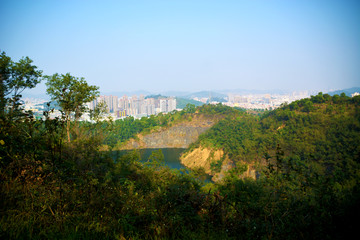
{"x": 321, "y": 129}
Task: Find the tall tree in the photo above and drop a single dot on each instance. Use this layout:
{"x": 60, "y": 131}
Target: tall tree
{"x": 71, "y": 93}
{"x": 15, "y": 77}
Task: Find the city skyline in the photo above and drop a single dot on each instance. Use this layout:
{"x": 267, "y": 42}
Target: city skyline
{"x": 134, "y": 105}
{"x": 139, "y": 106}
{"x": 160, "y": 46}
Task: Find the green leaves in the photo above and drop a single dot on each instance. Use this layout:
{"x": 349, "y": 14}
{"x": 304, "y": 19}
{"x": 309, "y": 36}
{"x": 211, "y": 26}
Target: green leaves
{"x": 71, "y": 93}
{"x": 15, "y": 77}
{"x": 24, "y": 75}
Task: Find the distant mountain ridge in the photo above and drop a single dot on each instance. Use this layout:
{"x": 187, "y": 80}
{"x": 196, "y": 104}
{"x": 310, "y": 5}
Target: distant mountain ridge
{"x": 255, "y": 91}
{"x": 182, "y": 102}
{"x": 347, "y": 91}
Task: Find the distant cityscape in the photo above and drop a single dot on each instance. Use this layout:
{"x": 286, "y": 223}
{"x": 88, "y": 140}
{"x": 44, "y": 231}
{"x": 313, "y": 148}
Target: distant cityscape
{"x": 135, "y": 106}
{"x": 139, "y": 106}
{"x": 258, "y": 101}
{"x": 116, "y": 107}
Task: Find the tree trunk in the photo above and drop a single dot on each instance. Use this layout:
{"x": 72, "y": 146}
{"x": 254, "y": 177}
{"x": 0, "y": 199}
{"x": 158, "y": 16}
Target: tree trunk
{"x": 2, "y": 96}
{"x": 68, "y": 126}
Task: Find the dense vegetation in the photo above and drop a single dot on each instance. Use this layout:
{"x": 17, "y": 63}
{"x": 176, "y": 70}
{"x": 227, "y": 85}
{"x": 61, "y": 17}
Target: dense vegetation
{"x": 52, "y": 188}
{"x": 322, "y": 129}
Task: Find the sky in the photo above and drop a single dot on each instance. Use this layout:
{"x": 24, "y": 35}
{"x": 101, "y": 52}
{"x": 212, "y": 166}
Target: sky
{"x": 189, "y": 45}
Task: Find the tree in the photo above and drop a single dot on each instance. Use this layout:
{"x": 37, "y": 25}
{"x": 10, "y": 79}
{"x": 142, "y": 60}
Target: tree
{"x": 156, "y": 159}
{"x": 15, "y": 77}
{"x": 190, "y": 108}
{"x": 308, "y": 106}
{"x": 318, "y": 98}
{"x": 99, "y": 111}
{"x": 71, "y": 93}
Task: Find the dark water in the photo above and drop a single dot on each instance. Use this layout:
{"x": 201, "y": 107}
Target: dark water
{"x": 171, "y": 156}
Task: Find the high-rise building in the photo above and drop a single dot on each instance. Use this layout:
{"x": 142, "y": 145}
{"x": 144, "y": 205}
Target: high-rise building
{"x": 124, "y": 103}
{"x": 167, "y": 105}
{"x": 171, "y": 104}
{"x": 114, "y": 100}
{"x": 134, "y": 106}
{"x": 163, "y": 105}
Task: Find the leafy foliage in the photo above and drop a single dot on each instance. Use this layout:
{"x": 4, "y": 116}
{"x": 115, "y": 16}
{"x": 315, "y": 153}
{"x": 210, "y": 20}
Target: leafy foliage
{"x": 15, "y": 77}
{"x": 71, "y": 94}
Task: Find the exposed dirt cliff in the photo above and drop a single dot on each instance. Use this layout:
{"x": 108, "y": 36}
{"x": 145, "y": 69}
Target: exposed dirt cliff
{"x": 203, "y": 157}
{"x": 180, "y": 135}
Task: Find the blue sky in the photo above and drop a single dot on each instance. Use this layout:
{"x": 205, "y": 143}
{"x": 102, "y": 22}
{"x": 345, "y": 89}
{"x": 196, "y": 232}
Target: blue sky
{"x": 189, "y": 45}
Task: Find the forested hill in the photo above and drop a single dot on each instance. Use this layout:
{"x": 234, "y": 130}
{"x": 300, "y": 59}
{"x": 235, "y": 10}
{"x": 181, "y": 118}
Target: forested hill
{"x": 57, "y": 182}
{"x": 320, "y": 129}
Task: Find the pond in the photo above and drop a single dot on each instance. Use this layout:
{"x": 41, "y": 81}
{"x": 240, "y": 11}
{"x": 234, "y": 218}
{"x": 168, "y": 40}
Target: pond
{"x": 171, "y": 156}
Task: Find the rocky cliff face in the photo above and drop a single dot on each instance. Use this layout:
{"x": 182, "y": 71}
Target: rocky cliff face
{"x": 180, "y": 135}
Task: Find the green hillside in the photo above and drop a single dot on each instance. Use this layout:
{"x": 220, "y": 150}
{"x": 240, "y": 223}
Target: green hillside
{"x": 182, "y": 102}
{"x": 58, "y": 182}
{"x": 307, "y": 188}
{"x": 322, "y": 129}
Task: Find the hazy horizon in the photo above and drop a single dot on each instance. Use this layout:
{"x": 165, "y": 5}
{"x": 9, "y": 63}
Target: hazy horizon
{"x": 189, "y": 46}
